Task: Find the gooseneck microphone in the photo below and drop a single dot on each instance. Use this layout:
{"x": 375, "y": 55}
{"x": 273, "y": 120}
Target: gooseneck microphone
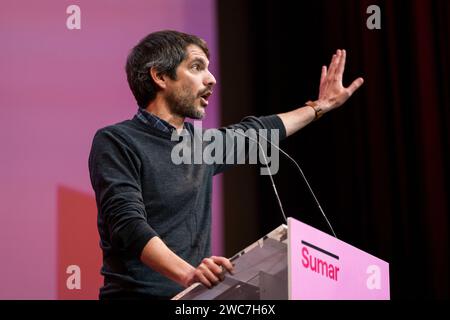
{"x": 268, "y": 168}
{"x": 299, "y": 169}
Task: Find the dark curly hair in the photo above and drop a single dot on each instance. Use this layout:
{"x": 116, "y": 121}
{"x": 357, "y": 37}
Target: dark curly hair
{"x": 164, "y": 50}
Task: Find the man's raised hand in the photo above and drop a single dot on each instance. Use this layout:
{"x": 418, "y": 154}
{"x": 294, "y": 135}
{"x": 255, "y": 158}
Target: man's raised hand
{"x": 332, "y": 93}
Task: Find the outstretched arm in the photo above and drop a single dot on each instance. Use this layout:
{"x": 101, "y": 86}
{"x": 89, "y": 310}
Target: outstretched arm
{"x": 332, "y": 94}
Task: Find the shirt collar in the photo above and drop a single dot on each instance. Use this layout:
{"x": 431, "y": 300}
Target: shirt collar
{"x": 154, "y": 121}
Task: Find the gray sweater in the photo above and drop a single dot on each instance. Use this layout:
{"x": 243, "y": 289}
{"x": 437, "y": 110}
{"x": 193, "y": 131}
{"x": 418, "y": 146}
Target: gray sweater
{"x": 141, "y": 193}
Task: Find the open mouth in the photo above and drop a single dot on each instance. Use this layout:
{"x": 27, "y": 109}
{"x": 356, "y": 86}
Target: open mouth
{"x": 204, "y": 97}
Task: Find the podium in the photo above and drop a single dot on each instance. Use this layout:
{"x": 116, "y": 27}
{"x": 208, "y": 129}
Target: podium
{"x": 299, "y": 262}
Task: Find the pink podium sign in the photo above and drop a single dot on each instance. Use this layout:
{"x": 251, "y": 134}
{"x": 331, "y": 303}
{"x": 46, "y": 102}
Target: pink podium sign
{"x": 322, "y": 267}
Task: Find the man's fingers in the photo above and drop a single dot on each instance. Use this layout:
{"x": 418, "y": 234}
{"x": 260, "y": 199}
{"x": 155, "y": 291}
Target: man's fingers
{"x": 355, "y": 85}
{"x": 212, "y": 265}
{"x": 211, "y": 277}
{"x": 210, "y": 271}
{"x": 332, "y": 67}
{"x": 224, "y": 262}
{"x": 208, "y": 274}
{"x": 201, "y": 277}
{"x": 341, "y": 66}
{"x": 334, "y": 64}
{"x": 323, "y": 75}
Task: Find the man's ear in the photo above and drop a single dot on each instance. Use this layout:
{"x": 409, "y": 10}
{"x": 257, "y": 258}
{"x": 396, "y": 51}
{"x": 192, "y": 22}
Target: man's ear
{"x": 158, "y": 78}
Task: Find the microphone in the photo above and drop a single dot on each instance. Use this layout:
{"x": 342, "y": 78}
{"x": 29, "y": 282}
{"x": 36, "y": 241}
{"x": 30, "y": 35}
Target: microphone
{"x": 268, "y": 168}
{"x": 299, "y": 169}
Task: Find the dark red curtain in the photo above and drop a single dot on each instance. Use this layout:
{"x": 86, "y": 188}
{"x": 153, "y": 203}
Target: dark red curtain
{"x": 380, "y": 164}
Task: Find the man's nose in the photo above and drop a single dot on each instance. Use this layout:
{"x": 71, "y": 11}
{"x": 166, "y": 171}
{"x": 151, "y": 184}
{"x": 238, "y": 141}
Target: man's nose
{"x": 209, "y": 79}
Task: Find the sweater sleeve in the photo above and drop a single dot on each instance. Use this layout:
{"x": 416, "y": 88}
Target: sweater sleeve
{"x": 273, "y": 124}
{"x": 114, "y": 171}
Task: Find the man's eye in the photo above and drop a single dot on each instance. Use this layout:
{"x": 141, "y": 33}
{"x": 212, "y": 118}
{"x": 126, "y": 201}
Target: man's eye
{"x": 196, "y": 66}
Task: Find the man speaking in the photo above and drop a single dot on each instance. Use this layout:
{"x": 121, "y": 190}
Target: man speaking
{"x": 154, "y": 216}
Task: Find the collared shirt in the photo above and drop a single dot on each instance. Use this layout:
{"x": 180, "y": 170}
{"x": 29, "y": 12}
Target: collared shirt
{"x": 154, "y": 121}
{"x": 142, "y": 193}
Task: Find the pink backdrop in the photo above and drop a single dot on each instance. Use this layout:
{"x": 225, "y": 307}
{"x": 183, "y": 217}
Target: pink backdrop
{"x": 57, "y": 87}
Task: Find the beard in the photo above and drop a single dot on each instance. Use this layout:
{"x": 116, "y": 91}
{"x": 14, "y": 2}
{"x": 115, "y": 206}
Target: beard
{"x": 182, "y": 103}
